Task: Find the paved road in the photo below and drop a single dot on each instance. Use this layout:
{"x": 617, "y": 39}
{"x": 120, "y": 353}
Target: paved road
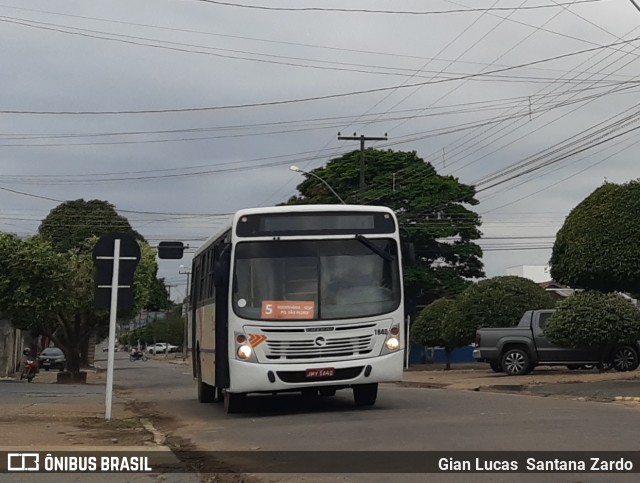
{"x": 404, "y": 419}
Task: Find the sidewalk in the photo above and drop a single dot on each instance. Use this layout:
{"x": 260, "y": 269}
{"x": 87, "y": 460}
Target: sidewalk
{"x": 68, "y": 414}
{"x": 44, "y": 416}
{"x": 611, "y": 385}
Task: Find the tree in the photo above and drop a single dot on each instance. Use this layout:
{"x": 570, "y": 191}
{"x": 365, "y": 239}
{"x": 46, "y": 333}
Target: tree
{"x": 497, "y": 302}
{"x": 596, "y": 247}
{"x": 594, "y": 320}
{"x": 434, "y": 327}
{"x": 430, "y": 208}
{"x": 170, "y": 329}
{"x": 52, "y": 293}
{"x": 77, "y": 225}
{"x": 159, "y": 296}
{"x": 141, "y": 335}
{"x": 48, "y": 292}
{"x": 70, "y": 223}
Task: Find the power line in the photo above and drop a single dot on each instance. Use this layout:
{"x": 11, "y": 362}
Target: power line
{"x": 324, "y": 97}
{"x": 512, "y": 128}
{"x": 396, "y": 12}
{"x": 280, "y": 42}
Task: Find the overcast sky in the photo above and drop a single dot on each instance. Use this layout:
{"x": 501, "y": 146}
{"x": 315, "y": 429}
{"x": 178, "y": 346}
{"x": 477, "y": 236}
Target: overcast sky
{"x": 171, "y": 109}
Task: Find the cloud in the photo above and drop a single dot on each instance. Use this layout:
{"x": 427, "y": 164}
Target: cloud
{"x": 50, "y": 70}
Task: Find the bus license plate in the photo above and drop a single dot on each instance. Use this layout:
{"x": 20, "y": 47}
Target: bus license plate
{"x": 325, "y": 372}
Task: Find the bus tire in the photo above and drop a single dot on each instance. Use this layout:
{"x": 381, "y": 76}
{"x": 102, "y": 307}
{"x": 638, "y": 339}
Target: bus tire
{"x": 206, "y": 392}
{"x": 234, "y": 402}
{"x": 365, "y": 394}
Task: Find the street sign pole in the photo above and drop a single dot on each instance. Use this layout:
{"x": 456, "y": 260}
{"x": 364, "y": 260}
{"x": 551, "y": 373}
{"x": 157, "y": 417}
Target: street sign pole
{"x": 112, "y": 327}
{"x": 113, "y": 310}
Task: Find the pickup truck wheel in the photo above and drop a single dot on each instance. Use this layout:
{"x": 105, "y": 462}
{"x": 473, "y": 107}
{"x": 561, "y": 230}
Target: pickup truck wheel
{"x": 516, "y": 362}
{"x": 625, "y": 358}
{"x": 495, "y": 366}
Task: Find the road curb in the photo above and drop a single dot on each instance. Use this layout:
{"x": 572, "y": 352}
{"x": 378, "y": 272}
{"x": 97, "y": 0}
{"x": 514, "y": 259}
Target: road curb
{"x": 627, "y": 398}
{"x": 424, "y": 385}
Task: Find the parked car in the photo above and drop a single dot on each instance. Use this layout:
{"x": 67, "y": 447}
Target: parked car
{"x": 52, "y": 358}
{"x": 517, "y": 350}
{"x": 161, "y": 348}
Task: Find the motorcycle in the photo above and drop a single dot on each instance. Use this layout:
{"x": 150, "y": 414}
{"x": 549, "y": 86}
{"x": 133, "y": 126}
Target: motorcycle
{"x": 30, "y": 369}
{"x": 137, "y": 355}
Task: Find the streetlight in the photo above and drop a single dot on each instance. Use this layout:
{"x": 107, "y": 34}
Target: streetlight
{"x": 298, "y": 170}
{"x": 185, "y": 334}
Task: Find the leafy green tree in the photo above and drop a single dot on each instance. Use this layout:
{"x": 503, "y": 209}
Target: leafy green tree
{"x": 170, "y": 329}
{"x": 596, "y": 248}
{"x": 496, "y": 302}
{"x": 52, "y": 293}
{"x": 431, "y": 210}
{"x": 159, "y": 296}
{"x": 434, "y": 327}
{"x": 77, "y": 225}
{"x": 70, "y": 223}
{"x": 142, "y": 335}
{"x": 45, "y": 292}
{"x": 594, "y": 320}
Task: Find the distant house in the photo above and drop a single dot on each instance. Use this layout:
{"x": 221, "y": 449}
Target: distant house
{"x": 541, "y": 274}
{"x": 146, "y": 317}
{"x": 11, "y": 346}
{"x": 537, "y": 273}
{"x": 556, "y": 290}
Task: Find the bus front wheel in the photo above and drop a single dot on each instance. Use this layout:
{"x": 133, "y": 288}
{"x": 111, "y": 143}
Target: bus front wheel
{"x": 234, "y": 402}
{"x": 206, "y": 392}
{"x": 365, "y": 394}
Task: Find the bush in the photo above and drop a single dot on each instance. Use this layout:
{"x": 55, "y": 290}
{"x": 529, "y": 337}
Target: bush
{"x": 428, "y": 326}
{"x": 496, "y": 302}
{"x": 434, "y": 327}
{"x": 594, "y": 320}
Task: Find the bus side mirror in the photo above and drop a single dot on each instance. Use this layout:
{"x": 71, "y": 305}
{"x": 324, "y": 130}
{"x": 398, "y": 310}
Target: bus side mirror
{"x": 168, "y": 250}
{"x": 409, "y": 253}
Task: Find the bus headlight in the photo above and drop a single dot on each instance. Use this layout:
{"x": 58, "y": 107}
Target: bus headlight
{"x": 244, "y": 351}
{"x": 392, "y": 343}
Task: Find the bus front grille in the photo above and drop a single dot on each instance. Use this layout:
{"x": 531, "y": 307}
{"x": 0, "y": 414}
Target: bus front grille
{"x": 319, "y": 347}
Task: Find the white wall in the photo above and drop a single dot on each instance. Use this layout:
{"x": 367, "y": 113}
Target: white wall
{"x": 537, "y": 273}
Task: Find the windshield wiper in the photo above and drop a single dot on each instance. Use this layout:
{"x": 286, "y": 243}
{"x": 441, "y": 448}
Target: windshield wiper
{"x": 374, "y": 248}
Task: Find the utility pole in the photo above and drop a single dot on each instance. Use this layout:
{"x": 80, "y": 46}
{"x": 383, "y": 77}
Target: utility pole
{"x": 362, "y": 138}
{"x": 185, "y": 332}
{"x": 168, "y": 285}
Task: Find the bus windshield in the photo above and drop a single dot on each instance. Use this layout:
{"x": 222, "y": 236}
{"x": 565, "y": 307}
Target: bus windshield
{"x": 315, "y": 280}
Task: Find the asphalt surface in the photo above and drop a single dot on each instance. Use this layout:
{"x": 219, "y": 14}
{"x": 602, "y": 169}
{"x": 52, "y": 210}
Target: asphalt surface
{"x": 571, "y": 417}
{"x": 404, "y": 418}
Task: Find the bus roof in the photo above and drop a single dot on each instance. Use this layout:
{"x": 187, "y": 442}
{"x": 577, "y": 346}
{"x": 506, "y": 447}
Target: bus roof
{"x": 309, "y": 208}
{"x": 228, "y": 223}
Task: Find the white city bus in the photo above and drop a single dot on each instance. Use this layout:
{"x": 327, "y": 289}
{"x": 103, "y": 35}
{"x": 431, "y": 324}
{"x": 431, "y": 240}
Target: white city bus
{"x": 298, "y": 298}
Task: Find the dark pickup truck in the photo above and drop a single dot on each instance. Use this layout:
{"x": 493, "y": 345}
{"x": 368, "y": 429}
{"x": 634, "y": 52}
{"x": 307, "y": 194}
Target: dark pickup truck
{"x": 517, "y": 350}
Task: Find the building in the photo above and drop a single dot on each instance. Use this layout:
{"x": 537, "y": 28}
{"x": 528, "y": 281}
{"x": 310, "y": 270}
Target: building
{"x": 537, "y": 273}
{"x": 541, "y": 274}
{"x": 11, "y": 345}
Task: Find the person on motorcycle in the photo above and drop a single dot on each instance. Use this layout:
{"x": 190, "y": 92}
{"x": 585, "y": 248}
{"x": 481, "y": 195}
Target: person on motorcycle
{"x": 29, "y": 366}
{"x": 136, "y": 354}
